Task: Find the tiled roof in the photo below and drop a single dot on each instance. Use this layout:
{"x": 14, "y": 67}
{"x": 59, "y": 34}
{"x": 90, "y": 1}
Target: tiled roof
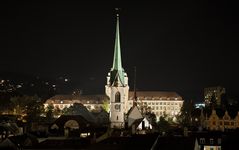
{"x": 155, "y": 94}
{"x": 98, "y": 99}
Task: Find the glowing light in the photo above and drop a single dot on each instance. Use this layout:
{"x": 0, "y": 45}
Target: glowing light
{"x": 2, "y": 81}
{"x": 19, "y": 86}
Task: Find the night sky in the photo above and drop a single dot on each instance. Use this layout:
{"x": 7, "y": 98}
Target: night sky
{"x": 180, "y": 46}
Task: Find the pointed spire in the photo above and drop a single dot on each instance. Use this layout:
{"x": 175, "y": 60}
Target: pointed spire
{"x": 117, "y": 71}
{"x": 117, "y": 64}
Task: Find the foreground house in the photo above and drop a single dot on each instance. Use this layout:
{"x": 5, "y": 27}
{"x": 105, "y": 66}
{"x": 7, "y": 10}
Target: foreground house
{"x": 220, "y": 121}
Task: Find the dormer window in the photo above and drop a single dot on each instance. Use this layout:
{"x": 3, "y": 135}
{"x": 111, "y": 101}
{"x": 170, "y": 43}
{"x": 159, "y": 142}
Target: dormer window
{"x": 202, "y": 140}
{"x": 211, "y": 141}
{"x": 219, "y": 141}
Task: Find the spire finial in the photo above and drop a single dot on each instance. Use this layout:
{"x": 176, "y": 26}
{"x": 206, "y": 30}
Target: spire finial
{"x": 135, "y": 95}
{"x": 117, "y": 10}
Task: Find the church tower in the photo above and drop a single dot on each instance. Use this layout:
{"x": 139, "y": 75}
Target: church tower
{"x": 117, "y": 86}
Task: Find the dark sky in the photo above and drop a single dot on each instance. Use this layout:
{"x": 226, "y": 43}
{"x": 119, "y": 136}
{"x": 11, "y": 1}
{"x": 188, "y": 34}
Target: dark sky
{"x": 180, "y": 46}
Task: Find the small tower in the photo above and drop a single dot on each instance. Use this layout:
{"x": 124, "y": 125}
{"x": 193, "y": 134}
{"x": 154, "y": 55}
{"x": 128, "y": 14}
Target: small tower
{"x": 117, "y": 86}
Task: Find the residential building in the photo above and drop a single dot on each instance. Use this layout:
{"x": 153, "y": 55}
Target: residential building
{"x": 213, "y": 93}
{"x": 219, "y": 121}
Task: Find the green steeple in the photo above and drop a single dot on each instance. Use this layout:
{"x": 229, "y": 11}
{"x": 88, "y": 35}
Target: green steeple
{"x": 117, "y": 65}
{"x": 117, "y": 72}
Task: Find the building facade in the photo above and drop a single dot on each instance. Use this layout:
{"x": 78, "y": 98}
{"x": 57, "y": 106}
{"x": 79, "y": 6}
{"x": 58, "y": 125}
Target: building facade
{"x": 91, "y": 102}
{"x": 224, "y": 122}
{"x": 161, "y": 103}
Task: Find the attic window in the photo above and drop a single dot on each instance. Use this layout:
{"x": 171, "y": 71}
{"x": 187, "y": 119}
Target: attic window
{"x": 219, "y": 141}
{"x": 202, "y": 140}
{"x": 211, "y": 141}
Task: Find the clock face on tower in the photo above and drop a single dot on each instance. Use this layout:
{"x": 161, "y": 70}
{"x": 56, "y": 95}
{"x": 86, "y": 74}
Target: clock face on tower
{"x": 117, "y": 107}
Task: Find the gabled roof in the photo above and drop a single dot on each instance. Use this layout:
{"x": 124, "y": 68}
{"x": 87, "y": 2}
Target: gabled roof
{"x": 134, "y": 115}
{"x": 83, "y": 122}
{"x": 19, "y": 141}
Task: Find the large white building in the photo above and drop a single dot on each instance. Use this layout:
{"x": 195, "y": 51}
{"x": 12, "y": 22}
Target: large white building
{"x": 91, "y": 102}
{"x": 159, "y": 102}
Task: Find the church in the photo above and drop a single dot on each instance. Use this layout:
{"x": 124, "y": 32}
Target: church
{"x": 118, "y": 96}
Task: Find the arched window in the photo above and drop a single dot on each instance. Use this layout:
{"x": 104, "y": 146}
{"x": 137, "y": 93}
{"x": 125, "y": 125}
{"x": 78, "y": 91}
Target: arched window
{"x": 117, "y": 97}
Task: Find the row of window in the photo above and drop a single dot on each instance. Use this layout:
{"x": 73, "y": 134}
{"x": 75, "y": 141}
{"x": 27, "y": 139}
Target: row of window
{"x": 164, "y": 108}
{"x": 226, "y": 123}
{"x": 149, "y": 98}
{"x": 159, "y": 103}
{"x": 219, "y": 141}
